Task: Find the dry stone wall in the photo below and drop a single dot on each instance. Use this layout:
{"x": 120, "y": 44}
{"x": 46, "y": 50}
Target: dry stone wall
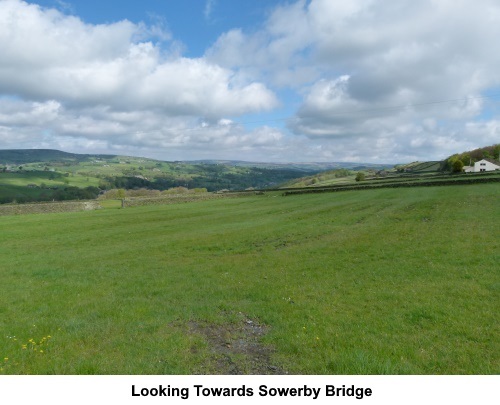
{"x": 51, "y": 207}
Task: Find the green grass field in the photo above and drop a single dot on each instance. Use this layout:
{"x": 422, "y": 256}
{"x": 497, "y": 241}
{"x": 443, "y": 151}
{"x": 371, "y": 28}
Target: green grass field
{"x": 390, "y": 281}
{"x": 51, "y": 179}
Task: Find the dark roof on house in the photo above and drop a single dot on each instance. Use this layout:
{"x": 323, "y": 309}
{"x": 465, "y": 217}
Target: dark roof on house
{"x": 495, "y": 162}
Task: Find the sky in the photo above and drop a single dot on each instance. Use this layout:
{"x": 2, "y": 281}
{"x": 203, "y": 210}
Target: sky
{"x": 264, "y": 80}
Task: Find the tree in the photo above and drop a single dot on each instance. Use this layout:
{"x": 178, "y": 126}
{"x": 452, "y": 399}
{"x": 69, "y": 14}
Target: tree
{"x": 496, "y": 152}
{"x": 457, "y": 166}
{"x": 466, "y": 159}
{"x": 360, "y": 176}
{"x": 121, "y": 193}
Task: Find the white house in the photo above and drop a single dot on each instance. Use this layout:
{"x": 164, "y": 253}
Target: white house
{"x": 484, "y": 165}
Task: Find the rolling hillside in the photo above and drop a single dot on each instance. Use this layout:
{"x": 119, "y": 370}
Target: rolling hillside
{"x": 43, "y": 174}
{"x": 31, "y": 175}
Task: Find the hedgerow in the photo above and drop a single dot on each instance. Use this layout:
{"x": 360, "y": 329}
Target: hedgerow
{"x": 395, "y": 185}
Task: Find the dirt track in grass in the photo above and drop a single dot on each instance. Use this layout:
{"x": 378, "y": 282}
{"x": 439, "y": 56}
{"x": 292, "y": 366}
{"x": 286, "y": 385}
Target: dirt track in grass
{"x": 237, "y": 348}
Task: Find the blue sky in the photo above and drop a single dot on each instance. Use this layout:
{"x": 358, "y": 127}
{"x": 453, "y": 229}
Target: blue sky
{"x": 197, "y": 23}
{"x": 283, "y": 81}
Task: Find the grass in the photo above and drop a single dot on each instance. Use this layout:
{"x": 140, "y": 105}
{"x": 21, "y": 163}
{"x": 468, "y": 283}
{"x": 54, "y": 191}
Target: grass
{"x": 391, "y": 281}
{"x": 109, "y": 204}
{"x": 8, "y": 191}
{"x": 50, "y": 179}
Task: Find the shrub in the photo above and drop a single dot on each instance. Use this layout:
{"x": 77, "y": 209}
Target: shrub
{"x": 360, "y": 176}
{"x": 457, "y": 166}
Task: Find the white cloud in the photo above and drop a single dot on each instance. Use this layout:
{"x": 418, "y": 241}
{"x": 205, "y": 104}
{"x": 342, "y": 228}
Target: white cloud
{"x": 365, "y": 77}
{"x": 48, "y": 55}
{"x": 372, "y": 70}
{"x": 274, "y": 54}
{"x": 51, "y": 125}
{"x": 208, "y": 10}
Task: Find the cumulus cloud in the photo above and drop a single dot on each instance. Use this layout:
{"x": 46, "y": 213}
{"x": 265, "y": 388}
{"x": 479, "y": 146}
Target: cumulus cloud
{"x": 100, "y": 128}
{"x": 366, "y": 81}
{"x": 378, "y": 72}
{"x": 276, "y": 54}
{"x": 49, "y": 55}
{"x": 406, "y": 54}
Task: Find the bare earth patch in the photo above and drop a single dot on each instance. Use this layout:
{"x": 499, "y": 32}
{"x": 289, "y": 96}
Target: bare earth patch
{"x": 237, "y": 348}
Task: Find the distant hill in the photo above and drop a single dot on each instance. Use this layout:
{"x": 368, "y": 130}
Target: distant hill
{"x": 467, "y": 157}
{"x": 303, "y": 166}
{"x": 46, "y": 174}
{"x": 471, "y": 156}
{"x": 43, "y": 174}
{"x": 422, "y": 167}
{"x": 22, "y": 156}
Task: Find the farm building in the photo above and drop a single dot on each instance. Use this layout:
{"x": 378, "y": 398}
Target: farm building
{"x": 484, "y": 165}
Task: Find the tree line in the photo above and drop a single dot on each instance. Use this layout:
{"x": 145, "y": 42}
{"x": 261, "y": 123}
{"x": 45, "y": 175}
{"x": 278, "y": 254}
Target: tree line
{"x": 455, "y": 163}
